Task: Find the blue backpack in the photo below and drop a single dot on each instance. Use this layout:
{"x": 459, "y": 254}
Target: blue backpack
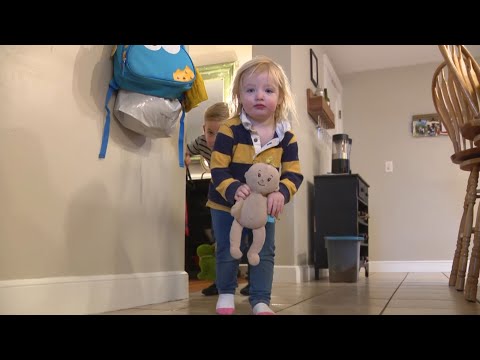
{"x": 165, "y": 71}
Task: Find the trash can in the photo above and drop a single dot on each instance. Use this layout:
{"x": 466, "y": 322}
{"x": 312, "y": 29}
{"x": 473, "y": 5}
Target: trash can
{"x": 343, "y": 258}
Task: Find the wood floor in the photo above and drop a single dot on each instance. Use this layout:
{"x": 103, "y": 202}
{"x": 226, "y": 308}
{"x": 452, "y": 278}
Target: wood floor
{"x": 379, "y": 294}
{"x": 197, "y": 285}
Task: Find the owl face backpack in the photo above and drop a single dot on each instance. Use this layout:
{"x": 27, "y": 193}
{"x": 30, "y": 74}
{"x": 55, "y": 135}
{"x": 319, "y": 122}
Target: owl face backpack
{"x": 162, "y": 71}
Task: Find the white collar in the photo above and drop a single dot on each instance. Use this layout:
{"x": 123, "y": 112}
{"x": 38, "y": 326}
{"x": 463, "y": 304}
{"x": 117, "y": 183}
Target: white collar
{"x": 281, "y": 128}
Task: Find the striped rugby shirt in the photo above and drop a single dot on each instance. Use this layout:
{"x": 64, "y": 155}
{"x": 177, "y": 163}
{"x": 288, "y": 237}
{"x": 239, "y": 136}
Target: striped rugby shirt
{"x": 237, "y": 148}
{"x": 199, "y": 147}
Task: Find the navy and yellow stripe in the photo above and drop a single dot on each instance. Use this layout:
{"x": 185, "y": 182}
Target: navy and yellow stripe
{"x": 234, "y": 153}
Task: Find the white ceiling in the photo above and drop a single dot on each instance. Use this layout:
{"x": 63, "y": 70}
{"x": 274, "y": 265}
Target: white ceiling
{"x": 347, "y": 59}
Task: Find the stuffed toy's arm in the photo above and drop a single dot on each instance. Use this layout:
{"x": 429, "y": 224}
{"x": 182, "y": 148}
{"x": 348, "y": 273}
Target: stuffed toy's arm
{"x": 236, "y": 209}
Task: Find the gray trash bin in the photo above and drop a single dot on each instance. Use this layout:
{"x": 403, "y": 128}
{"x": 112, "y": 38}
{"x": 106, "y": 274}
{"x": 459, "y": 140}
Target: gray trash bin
{"x": 343, "y": 258}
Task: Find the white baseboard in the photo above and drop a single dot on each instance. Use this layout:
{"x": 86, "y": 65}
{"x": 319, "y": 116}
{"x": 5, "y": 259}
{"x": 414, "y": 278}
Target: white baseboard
{"x": 298, "y": 274}
{"x": 90, "y": 294}
{"x": 410, "y": 266}
{"x": 294, "y": 274}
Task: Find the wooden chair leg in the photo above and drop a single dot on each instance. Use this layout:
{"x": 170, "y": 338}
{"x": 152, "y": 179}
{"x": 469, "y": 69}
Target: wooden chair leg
{"x": 456, "y": 257}
{"x": 471, "y": 285}
{"x": 474, "y": 267}
{"x": 467, "y": 230}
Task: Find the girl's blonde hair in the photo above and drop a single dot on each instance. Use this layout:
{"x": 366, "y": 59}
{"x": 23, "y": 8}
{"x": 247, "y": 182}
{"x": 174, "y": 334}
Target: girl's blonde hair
{"x": 217, "y": 112}
{"x": 260, "y": 64}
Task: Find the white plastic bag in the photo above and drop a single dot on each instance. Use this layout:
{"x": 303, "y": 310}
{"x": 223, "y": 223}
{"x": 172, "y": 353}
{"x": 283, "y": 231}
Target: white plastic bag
{"x": 148, "y": 115}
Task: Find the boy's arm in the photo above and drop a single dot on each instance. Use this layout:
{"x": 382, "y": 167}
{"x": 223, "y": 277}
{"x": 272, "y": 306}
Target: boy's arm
{"x": 193, "y": 147}
{"x": 291, "y": 177}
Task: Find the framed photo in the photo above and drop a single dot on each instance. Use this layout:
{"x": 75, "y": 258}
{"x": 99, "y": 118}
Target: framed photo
{"x": 313, "y": 68}
{"x": 426, "y": 125}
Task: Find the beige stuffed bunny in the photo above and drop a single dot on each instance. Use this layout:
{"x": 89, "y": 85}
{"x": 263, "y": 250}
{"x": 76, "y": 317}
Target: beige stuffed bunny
{"x": 251, "y": 213}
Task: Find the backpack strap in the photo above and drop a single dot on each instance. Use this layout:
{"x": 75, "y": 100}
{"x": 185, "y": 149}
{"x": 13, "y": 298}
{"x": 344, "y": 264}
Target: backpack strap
{"x": 112, "y": 86}
{"x": 180, "y": 138}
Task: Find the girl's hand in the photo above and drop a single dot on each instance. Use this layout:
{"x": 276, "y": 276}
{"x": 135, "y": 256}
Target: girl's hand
{"x": 242, "y": 192}
{"x": 275, "y": 203}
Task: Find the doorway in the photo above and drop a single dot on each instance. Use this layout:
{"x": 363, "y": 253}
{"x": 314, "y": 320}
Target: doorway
{"x": 198, "y": 222}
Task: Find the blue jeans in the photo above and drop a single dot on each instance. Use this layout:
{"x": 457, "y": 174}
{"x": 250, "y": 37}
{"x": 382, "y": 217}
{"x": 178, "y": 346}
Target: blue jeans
{"x": 261, "y": 275}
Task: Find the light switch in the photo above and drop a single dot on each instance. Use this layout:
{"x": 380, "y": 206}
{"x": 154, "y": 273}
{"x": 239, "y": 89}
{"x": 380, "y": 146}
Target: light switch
{"x": 389, "y": 166}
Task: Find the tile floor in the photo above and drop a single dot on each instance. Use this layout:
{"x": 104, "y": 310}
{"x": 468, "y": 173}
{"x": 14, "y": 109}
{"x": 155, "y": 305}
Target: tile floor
{"x": 380, "y": 294}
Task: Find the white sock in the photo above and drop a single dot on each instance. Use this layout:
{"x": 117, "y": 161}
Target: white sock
{"x": 226, "y": 301}
{"x": 262, "y": 308}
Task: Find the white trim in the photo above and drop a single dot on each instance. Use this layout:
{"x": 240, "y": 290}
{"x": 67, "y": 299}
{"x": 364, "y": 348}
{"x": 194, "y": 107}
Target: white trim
{"x": 295, "y": 274}
{"x": 298, "y": 274}
{"x": 292, "y": 274}
{"x": 91, "y": 294}
{"x": 410, "y": 266}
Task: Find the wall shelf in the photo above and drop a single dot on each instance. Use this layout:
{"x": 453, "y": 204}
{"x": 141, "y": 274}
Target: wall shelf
{"x": 319, "y": 110}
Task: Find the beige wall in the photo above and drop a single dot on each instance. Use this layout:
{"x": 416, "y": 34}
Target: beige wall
{"x": 65, "y": 212}
{"x": 415, "y": 211}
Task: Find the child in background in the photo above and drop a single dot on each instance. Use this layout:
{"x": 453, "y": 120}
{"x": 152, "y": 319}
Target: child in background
{"x": 259, "y": 132}
{"x": 203, "y": 144}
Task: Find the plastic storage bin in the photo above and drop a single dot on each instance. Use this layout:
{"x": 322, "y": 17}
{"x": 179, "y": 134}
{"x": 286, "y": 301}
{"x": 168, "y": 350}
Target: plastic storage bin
{"x": 343, "y": 258}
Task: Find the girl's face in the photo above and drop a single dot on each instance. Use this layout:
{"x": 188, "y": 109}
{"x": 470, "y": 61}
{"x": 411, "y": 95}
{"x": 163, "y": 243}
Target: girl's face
{"x": 210, "y": 129}
{"x": 259, "y": 96}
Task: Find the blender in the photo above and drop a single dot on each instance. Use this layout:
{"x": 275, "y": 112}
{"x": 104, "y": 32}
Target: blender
{"x": 341, "y": 146}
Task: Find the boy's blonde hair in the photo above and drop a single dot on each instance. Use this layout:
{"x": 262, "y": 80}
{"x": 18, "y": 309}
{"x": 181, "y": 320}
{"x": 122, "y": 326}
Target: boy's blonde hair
{"x": 217, "y": 112}
{"x": 259, "y": 64}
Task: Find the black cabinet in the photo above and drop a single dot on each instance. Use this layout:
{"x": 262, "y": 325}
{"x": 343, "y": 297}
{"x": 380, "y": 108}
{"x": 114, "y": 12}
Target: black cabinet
{"x": 341, "y": 209}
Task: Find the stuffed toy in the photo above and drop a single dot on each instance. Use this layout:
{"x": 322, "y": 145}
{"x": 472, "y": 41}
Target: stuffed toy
{"x": 206, "y": 255}
{"x": 251, "y": 213}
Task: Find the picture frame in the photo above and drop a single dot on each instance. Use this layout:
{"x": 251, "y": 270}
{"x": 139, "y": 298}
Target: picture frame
{"x": 426, "y": 125}
{"x": 313, "y": 68}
